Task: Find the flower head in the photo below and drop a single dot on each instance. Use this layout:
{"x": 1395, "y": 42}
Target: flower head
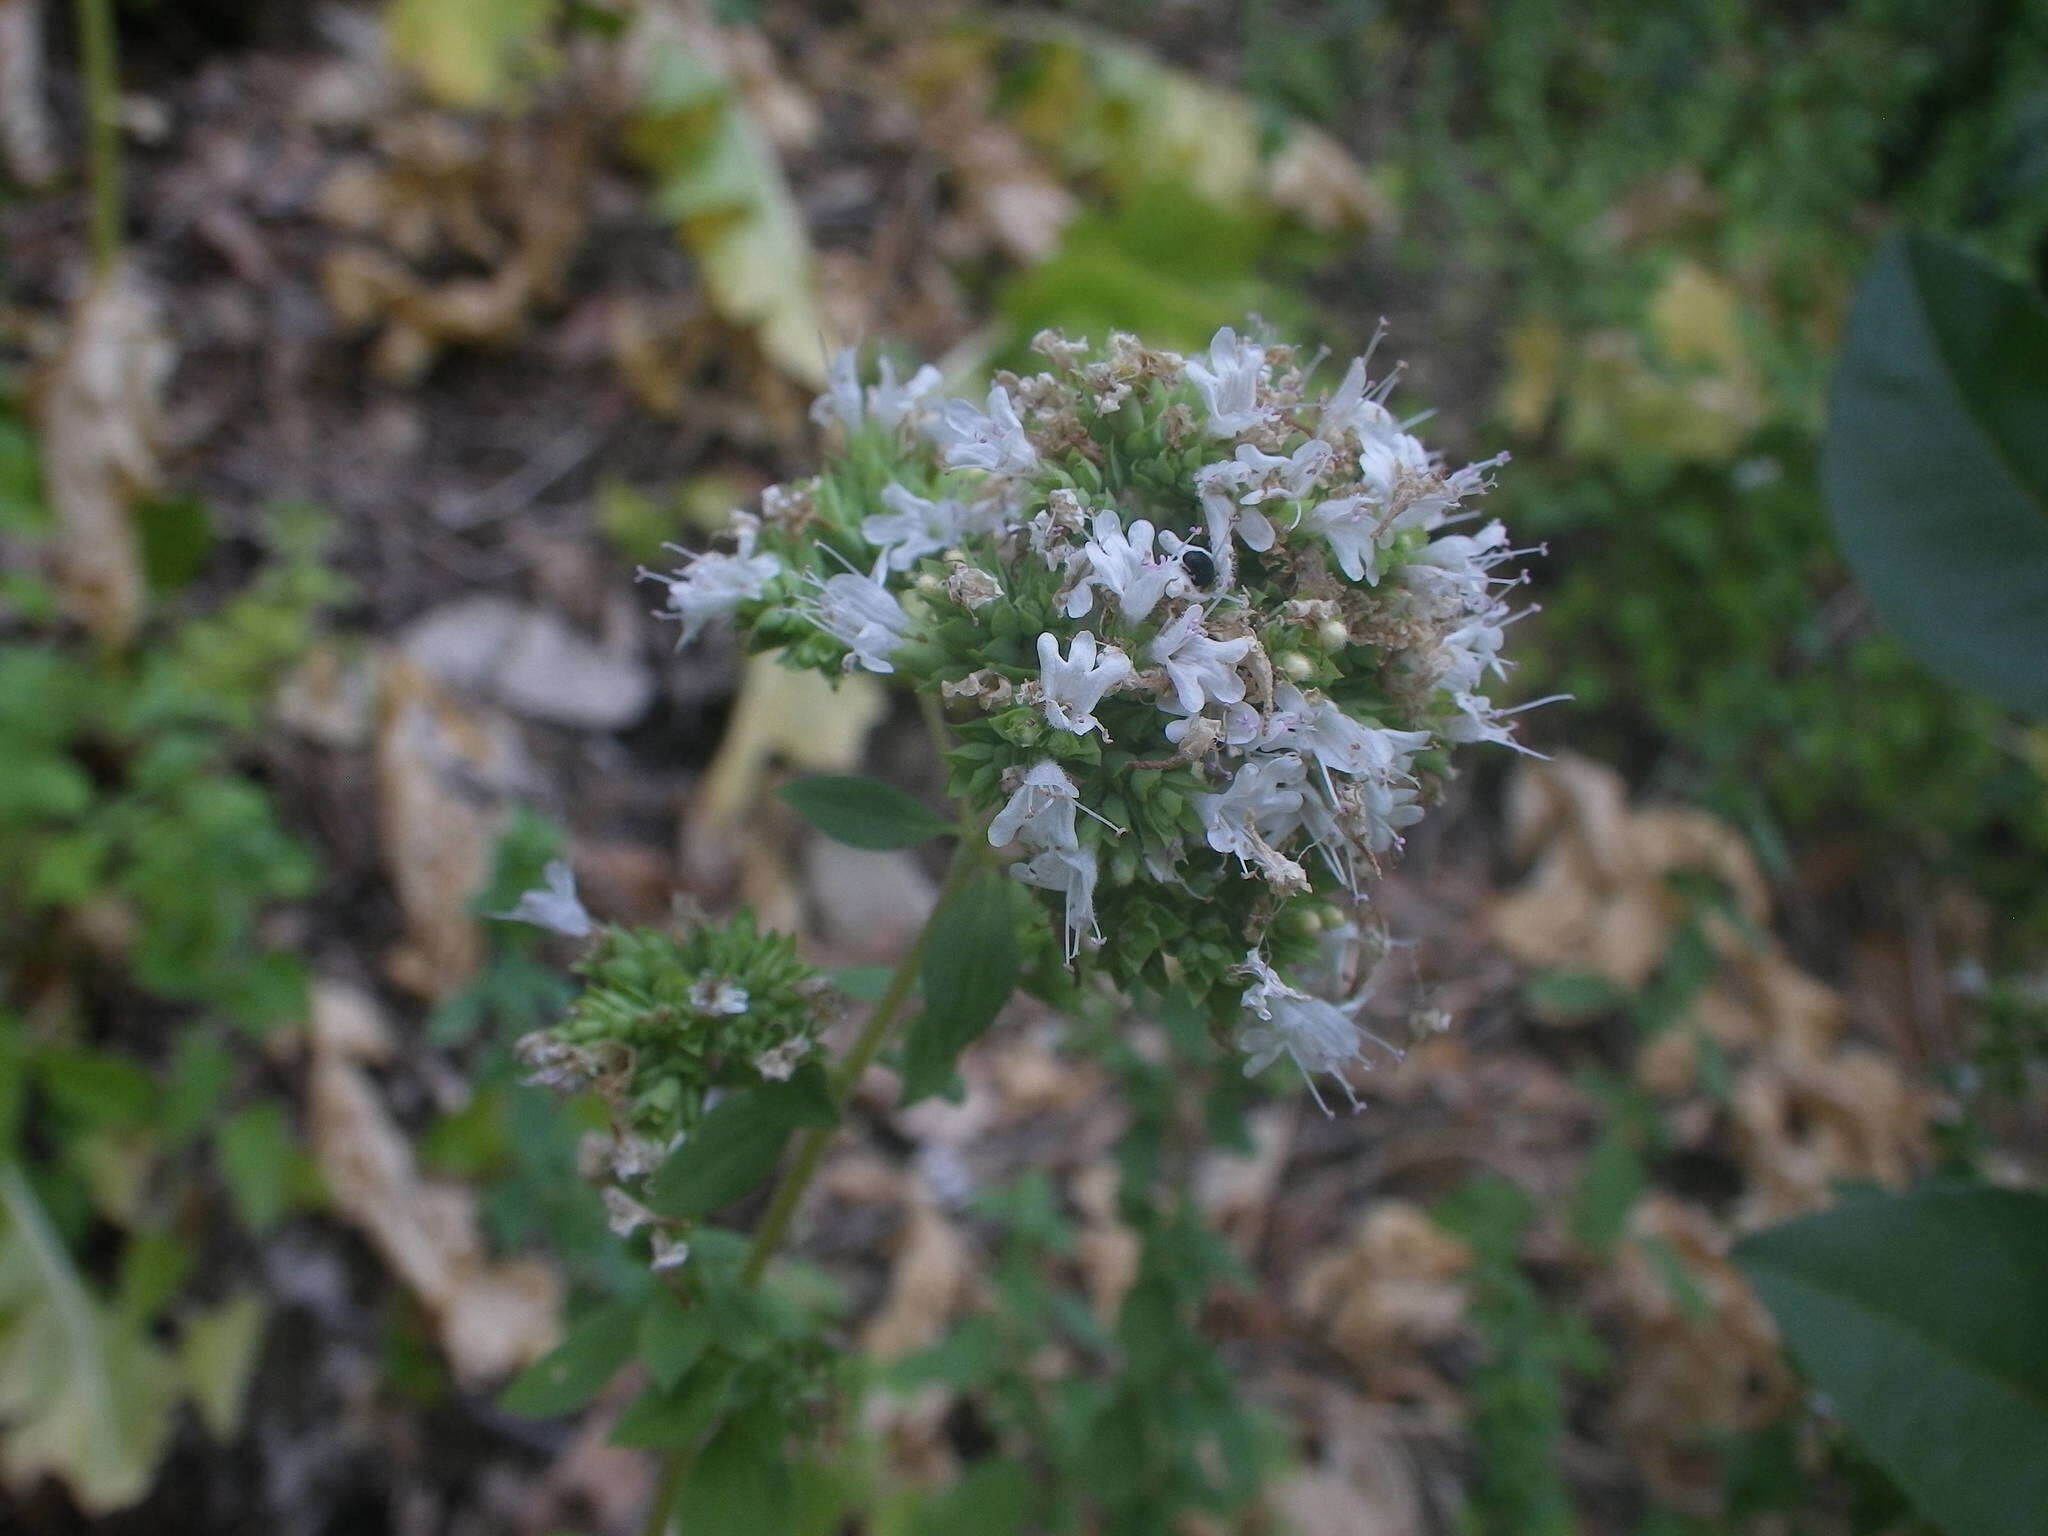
{"x": 1237, "y": 622}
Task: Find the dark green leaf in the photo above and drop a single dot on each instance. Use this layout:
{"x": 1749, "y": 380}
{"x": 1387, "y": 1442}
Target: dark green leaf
{"x": 571, "y": 1374}
{"x": 970, "y": 970}
{"x": 1608, "y": 1186}
{"x": 862, "y": 812}
{"x": 991, "y": 1498}
{"x": 740, "y": 1485}
{"x": 176, "y": 533}
{"x": 267, "y": 1175}
{"x": 673, "y": 1338}
{"x": 738, "y": 1143}
{"x": 672, "y": 1420}
{"x": 1924, "y": 1318}
{"x": 1566, "y": 997}
{"x": 1936, "y": 464}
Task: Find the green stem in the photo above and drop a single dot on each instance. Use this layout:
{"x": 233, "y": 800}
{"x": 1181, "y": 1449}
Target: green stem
{"x": 103, "y": 130}
{"x": 970, "y": 856}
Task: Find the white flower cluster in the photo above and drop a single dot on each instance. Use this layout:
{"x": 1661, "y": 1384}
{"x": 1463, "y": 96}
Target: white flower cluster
{"x": 1235, "y": 625}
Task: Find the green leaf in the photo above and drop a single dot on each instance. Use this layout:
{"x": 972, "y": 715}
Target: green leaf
{"x": 970, "y": 969}
{"x": 1924, "y": 1318}
{"x": 991, "y": 1498}
{"x": 176, "y": 533}
{"x": 662, "y": 1421}
{"x": 468, "y": 53}
{"x": 1936, "y": 464}
{"x": 862, "y": 812}
{"x": 673, "y": 1338}
{"x": 738, "y": 1143}
{"x": 1611, "y": 1180}
{"x": 1571, "y": 997}
{"x": 571, "y": 1374}
{"x": 740, "y": 1485}
{"x": 217, "y": 1356}
{"x": 267, "y": 1176}
{"x": 717, "y": 175}
{"x": 85, "y": 1399}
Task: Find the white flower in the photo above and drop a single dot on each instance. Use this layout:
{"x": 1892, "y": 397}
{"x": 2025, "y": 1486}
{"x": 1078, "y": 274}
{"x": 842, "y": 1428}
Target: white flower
{"x": 1239, "y": 726}
{"x": 1122, "y": 563}
{"x": 841, "y": 400}
{"x": 623, "y": 1214}
{"x": 1319, "y": 1036}
{"x": 1201, "y": 670}
{"x": 1261, "y": 807}
{"x": 778, "y": 1062}
{"x": 711, "y": 586}
{"x": 1356, "y": 409}
{"x": 891, "y": 403}
{"x": 1476, "y": 719}
{"x": 1070, "y": 871}
{"x": 912, "y": 527}
{"x": 708, "y": 996}
{"x": 1074, "y": 684}
{"x": 553, "y": 905}
{"x": 1041, "y": 811}
{"x": 994, "y": 440}
{"x": 886, "y": 401}
{"x": 1360, "y": 529}
{"x": 1257, "y": 476}
{"x": 862, "y": 615}
{"x": 1312, "y": 724}
{"x": 1229, "y": 383}
{"x": 1373, "y": 813}
{"x": 667, "y": 1251}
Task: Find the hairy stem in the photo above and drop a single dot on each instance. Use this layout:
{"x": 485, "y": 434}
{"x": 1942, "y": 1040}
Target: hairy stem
{"x": 103, "y": 130}
{"x": 970, "y": 856}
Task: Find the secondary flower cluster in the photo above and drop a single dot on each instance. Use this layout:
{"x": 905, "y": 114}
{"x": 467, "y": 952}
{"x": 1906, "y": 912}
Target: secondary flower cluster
{"x": 1204, "y": 634}
{"x": 662, "y": 1024}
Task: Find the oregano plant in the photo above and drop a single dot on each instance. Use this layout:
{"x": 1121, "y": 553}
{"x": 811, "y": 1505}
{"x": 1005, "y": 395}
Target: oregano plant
{"x": 1196, "y": 639}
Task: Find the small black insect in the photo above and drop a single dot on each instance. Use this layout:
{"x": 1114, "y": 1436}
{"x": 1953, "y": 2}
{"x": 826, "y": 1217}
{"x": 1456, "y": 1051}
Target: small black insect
{"x": 1199, "y": 564}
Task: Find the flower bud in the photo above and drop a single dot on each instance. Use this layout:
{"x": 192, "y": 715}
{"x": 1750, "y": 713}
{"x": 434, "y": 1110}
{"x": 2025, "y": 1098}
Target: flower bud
{"x": 1297, "y": 666}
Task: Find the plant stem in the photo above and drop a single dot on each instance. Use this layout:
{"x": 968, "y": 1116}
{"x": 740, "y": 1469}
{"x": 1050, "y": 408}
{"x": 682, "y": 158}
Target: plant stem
{"x": 970, "y": 855}
{"x": 103, "y": 130}
{"x": 859, "y": 1056}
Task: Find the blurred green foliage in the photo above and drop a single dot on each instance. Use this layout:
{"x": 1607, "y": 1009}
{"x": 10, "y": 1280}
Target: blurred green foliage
{"x": 140, "y": 854}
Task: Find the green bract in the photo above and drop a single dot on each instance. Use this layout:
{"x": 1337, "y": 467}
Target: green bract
{"x": 663, "y": 1019}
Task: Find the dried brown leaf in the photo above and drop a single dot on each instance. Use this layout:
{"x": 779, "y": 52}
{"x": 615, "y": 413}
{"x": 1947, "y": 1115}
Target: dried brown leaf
{"x": 927, "y": 1282}
{"x": 101, "y": 413}
{"x": 445, "y": 775}
{"x": 1701, "y": 1360}
{"x": 1395, "y": 1283}
{"x": 25, "y": 137}
{"x": 491, "y": 1317}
